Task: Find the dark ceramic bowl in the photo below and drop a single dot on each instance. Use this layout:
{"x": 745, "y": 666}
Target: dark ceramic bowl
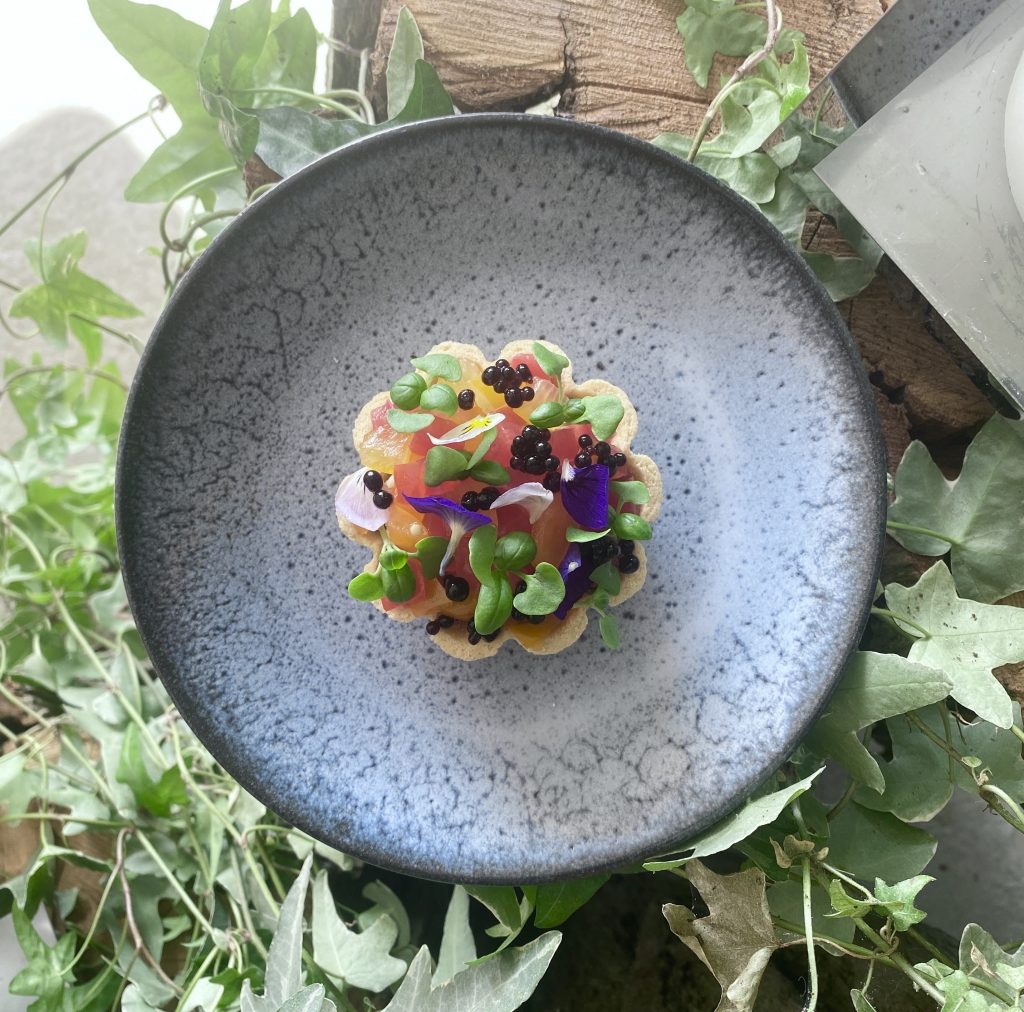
{"x": 486, "y": 229}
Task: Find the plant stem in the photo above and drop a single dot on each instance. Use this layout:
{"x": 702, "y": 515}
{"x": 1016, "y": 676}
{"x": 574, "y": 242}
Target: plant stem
{"x": 184, "y": 191}
{"x": 203, "y": 966}
{"x": 899, "y": 961}
{"x": 927, "y": 532}
{"x": 308, "y": 96}
{"x": 774, "y": 27}
{"x": 931, "y": 949}
{"x": 69, "y": 169}
{"x": 175, "y": 884}
{"x": 844, "y": 800}
{"x": 812, "y": 963}
{"x": 850, "y": 948}
{"x": 1017, "y": 731}
{"x": 357, "y": 96}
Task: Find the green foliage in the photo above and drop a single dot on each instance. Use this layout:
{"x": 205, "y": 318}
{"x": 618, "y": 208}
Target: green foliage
{"x": 291, "y": 138}
{"x": 408, "y": 421}
{"x": 406, "y": 391}
{"x": 406, "y": 52}
{"x": 550, "y": 361}
{"x": 544, "y": 591}
{"x": 439, "y": 366}
{"x": 440, "y": 398}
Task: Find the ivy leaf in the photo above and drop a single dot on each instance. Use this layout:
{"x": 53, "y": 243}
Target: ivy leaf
{"x": 156, "y": 796}
{"x": 875, "y": 686}
{"x": 289, "y": 57}
{"x": 439, "y": 365}
{"x": 486, "y": 442}
{"x": 291, "y": 138}
{"x": 502, "y": 901}
{"x": 544, "y": 591}
{"x": 284, "y": 960}
{"x": 427, "y": 99}
{"x": 550, "y": 361}
{"x": 430, "y": 552}
{"x": 843, "y": 277}
{"x": 66, "y": 290}
{"x": 406, "y": 49}
{"x": 786, "y": 900}
{"x": 499, "y": 984}
{"x": 979, "y": 951}
{"x": 458, "y": 948}
{"x": 360, "y": 959}
{"x": 161, "y": 46}
{"x": 716, "y": 26}
{"x": 554, "y": 904}
{"x": 752, "y": 176}
{"x": 738, "y": 826}
{"x": 979, "y": 512}
{"x": 898, "y": 900}
{"x": 860, "y": 1001}
{"x": 871, "y": 844}
{"x": 194, "y": 151}
{"x": 440, "y": 398}
{"x": 963, "y": 638}
{"x": 442, "y": 463}
{"x": 736, "y": 938}
{"x": 408, "y": 421}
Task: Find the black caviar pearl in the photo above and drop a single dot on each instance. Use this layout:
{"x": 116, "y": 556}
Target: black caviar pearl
{"x": 517, "y": 463}
{"x": 531, "y": 433}
{"x": 528, "y": 393}
{"x": 456, "y": 588}
{"x": 551, "y": 464}
{"x": 491, "y": 637}
{"x": 489, "y": 375}
{"x": 619, "y": 459}
{"x": 486, "y": 496}
{"x": 627, "y": 547}
{"x": 472, "y": 635}
{"x": 552, "y": 482}
{"x": 519, "y": 444}
{"x": 585, "y": 442}
{"x": 470, "y": 500}
{"x": 502, "y": 363}
{"x": 611, "y": 467}
{"x": 523, "y": 372}
{"x": 445, "y": 621}
{"x": 542, "y": 448}
{"x": 509, "y": 375}
{"x": 382, "y": 500}
{"x": 513, "y": 397}
{"x": 517, "y": 615}
{"x": 520, "y": 586}
{"x": 534, "y": 465}
{"x": 611, "y": 549}
{"x": 537, "y": 619}
{"x": 629, "y": 564}
{"x": 433, "y": 628}
{"x": 544, "y": 434}
{"x": 474, "y": 638}
{"x": 602, "y": 449}
{"x": 500, "y": 385}
{"x": 581, "y": 459}
{"x": 466, "y": 399}
{"x": 373, "y": 481}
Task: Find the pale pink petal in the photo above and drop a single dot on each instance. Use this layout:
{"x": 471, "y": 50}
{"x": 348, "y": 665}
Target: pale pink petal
{"x": 531, "y": 495}
{"x": 354, "y": 502}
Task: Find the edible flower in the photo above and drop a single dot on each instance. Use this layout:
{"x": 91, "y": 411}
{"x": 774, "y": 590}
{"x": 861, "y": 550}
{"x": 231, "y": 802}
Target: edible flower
{"x": 354, "y": 502}
{"x": 467, "y": 430}
{"x": 575, "y": 575}
{"x": 460, "y": 521}
{"x": 531, "y": 495}
{"x": 585, "y": 495}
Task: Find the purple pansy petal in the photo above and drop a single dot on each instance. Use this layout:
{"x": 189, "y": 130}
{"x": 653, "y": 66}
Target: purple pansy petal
{"x": 354, "y": 502}
{"x": 460, "y": 520}
{"x": 576, "y": 577}
{"x": 585, "y": 495}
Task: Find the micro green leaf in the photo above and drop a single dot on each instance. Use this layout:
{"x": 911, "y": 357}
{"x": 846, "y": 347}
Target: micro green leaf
{"x": 486, "y": 442}
{"x": 429, "y": 553}
{"x": 631, "y": 527}
{"x": 406, "y": 390}
{"x": 607, "y": 577}
{"x": 442, "y": 464}
{"x": 408, "y": 421}
{"x": 549, "y": 360}
{"x": 482, "y": 546}
{"x": 494, "y": 605}
{"x": 440, "y": 398}
{"x": 548, "y": 416}
{"x": 393, "y": 559}
{"x": 399, "y": 584}
{"x": 631, "y": 491}
{"x": 581, "y": 536}
{"x": 490, "y": 472}
{"x": 604, "y": 412}
{"x": 609, "y": 629}
{"x": 574, "y": 411}
{"x": 439, "y": 365}
{"x": 544, "y": 591}
{"x": 514, "y": 551}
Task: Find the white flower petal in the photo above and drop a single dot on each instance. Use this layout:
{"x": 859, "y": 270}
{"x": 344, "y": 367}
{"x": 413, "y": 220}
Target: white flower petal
{"x": 467, "y": 430}
{"x": 354, "y": 502}
{"x": 531, "y": 495}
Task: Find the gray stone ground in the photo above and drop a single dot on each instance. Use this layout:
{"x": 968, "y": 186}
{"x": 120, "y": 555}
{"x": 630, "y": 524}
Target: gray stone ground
{"x": 980, "y": 862}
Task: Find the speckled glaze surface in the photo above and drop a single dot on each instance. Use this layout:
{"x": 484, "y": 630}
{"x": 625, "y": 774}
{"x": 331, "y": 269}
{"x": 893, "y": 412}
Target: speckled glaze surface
{"x": 750, "y": 397}
{"x": 911, "y": 36}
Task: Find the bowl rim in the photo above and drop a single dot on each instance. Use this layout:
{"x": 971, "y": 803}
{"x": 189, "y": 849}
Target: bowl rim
{"x": 546, "y": 870}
